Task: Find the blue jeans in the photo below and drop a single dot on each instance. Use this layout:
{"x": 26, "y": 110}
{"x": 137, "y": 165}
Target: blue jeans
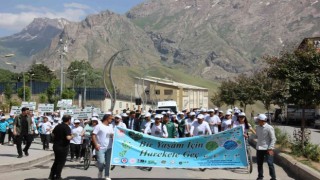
{"x": 260, "y": 158}
{"x": 104, "y": 158}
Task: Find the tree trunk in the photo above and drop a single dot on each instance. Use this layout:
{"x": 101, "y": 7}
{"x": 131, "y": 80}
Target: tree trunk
{"x": 303, "y": 124}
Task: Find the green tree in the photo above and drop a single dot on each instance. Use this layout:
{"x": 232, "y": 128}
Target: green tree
{"x": 8, "y": 91}
{"x": 51, "y": 91}
{"x": 244, "y": 89}
{"x": 227, "y": 92}
{"x": 299, "y": 71}
{"x": 43, "y": 98}
{"x": 216, "y": 100}
{"x": 7, "y": 76}
{"x": 41, "y": 73}
{"x": 81, "y": 71}
{"x": 27, "y": 93}
{"x": 68, "y": 94}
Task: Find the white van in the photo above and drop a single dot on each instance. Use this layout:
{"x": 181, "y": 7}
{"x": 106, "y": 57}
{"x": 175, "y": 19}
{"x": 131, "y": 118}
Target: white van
{"x": 168, "y": 105}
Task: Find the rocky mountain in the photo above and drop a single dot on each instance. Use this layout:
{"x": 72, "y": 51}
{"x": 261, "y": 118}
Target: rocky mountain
{"x": 97, "y": 38}
{"x": 220, "y": 38}
{"x": 34, "y": 38}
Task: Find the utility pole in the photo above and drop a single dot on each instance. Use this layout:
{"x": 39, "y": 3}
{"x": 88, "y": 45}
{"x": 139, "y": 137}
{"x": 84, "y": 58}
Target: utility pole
{"x": 62, "y": 53}
{"x": 24, "y": 87}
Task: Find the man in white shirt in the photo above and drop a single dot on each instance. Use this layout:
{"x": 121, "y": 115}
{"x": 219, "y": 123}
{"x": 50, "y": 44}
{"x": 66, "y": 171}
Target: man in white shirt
{"x": 76, "y": 141}
{"x": 213, "y": 121}
{"x": 157, "y": 129}
{"x": 102, "y": 137}
{"x": 189, "y": 122}
{"x": 45, "y": 135}
{"x": 265, "y": 145}
{"x": 200, "y": 127}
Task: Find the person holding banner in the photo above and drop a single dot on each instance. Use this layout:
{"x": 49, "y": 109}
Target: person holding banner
{"x": 265, "y": 145}
{"x": 102, "y": 137}
{"x": 23, "y": 131}
{"x": 227, "y": 122}
{"x": 146, "y": 122}
{"x": 171, "y": 129}
{"x": 200, "y": 127}
{"x": 242, "y": 121}
{"x": 157, "y": 128}
{"x": 214, "y": 121}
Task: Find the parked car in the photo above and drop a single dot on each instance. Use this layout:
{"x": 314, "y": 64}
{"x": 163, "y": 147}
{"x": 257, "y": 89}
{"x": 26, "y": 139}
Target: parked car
{"x": 316, "y": 123}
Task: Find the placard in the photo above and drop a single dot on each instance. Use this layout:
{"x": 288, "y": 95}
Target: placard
{"x": 44, "y": 108}
{"x": 30, "y": 105}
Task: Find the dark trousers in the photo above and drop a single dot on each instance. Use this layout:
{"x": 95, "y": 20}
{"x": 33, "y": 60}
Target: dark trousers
{"x": 85, "y": 143}
{"x": 45, "y": 139}
{"x": 2, "y": 136}
{"x": 28, "y": 140}
{"x": 75, "y": 150}
{"x": 60, "y": 157}
{"x": 261, "y": 154}
{"x": 11, "y": 136}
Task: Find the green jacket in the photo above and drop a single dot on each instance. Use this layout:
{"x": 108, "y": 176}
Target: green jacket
{"x": 17, "y": 124}
{"x": 172, "y": 132}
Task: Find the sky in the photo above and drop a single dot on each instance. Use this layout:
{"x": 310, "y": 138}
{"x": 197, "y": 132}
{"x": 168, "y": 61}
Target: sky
{"x": 17, "y": 14}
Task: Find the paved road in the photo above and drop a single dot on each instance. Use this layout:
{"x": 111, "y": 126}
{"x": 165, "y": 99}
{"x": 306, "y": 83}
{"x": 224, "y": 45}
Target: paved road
{"x": 315, "y": 133}
{"x": 75, "y": 171}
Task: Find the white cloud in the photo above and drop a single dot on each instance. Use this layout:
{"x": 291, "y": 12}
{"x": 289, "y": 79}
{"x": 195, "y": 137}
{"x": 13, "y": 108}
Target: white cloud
{"x": 17, "y": 21}
{"x": 76, "y": 5}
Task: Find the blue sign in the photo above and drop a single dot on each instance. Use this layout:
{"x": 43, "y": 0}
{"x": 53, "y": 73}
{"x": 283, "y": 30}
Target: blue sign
{"x": 224, "y": 150}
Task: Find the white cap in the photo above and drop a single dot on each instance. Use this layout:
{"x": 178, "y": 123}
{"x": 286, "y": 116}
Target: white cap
{"x": 180, "y": 113}
{"x": 203, "y": 110}
{"x": 229, "y": 110}
{"x": 210, "y": 110}
{"x": 242, "y": 114}
{"x": 11, "y": 114}
{"x": 3, "y": 117}
{"x": 164, "y": 112}
{"x": 94, "y": 119}
{"x": 262, "y": 117}
{"x": 172, "y": 113}
{"x": 200, "y": 116}
{"x": 118, "y": 116}
{"x": 192, "y": 114}
{"x": 220, "y": 111}
{"x": 147, "y": 115}
{"x": 216, "y": 109}
{"x": 168, "y": 112}
{"x": 110, "y": 113}
{"x": 158, "y": 116}
{"x": 124, "y": 115}
{"x": 228, "y": 113}
{"x": 76, "y": 121}
{"x": 237, "y": 111}
{"x": 95, "y": 115}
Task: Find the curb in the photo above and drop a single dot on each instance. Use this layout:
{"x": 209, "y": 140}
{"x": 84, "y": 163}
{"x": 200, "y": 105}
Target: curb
{"x": 296, "y": 168}
{"x": 17, "y": 166}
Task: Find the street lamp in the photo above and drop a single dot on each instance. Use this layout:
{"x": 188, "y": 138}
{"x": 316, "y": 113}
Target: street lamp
{"x": 75, "y": 70}
{"x": 62, "y": 53}
{"x": 85, "y": 91}
{"x": 31, "y": 84}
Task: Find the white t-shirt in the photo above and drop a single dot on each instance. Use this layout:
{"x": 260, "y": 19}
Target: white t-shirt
{"x": 104, "y": 135}
{"x": 121, "y": 124}
{"x": 76, "y": 132}
{"x": 226, "y": 124}
{"x": 157, "y": 130}
{"x": 245, "y": 131}
{"x": 200, "y": 129}
{"x": 188, "y": 125}
{"x": 214, "y": 119}
{"x": 46, "y": 128}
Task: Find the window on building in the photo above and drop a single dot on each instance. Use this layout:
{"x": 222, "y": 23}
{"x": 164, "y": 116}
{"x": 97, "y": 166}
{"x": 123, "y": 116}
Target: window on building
{"x": 157, "y": 92}
{"x": 168, "y": 92}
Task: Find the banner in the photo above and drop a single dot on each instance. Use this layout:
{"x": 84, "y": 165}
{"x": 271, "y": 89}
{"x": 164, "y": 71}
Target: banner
{"x": 16, "y": 110}
{"x": 224, "y": 150}
{"x": 43, "y": 108}
{"x": 30, "y": 105}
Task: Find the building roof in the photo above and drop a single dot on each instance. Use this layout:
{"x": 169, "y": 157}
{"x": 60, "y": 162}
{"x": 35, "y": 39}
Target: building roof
{"x": 171, "y": 83}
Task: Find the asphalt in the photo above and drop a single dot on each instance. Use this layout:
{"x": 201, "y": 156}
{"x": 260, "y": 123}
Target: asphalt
{"x": 296, "y": 168}
{"x": 10, "y": 162}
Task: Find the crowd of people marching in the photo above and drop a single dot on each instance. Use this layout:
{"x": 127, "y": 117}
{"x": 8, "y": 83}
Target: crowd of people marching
{"x": 99, "y": 132}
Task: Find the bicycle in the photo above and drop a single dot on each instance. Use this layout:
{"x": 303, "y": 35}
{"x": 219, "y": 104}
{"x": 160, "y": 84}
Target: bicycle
{"x": 87, "y": 155}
